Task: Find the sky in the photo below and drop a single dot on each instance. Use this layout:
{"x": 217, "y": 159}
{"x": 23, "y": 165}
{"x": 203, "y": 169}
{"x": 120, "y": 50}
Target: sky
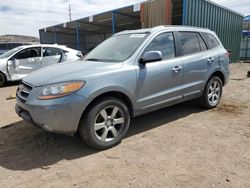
{"x": 26, "y": 17}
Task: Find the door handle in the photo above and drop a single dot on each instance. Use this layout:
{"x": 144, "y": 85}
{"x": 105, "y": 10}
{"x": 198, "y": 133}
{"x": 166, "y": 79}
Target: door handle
{"x": 176, "y": 69}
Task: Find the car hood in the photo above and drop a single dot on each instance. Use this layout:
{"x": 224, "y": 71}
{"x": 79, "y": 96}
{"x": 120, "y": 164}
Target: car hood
{"x": 78, "y": 70}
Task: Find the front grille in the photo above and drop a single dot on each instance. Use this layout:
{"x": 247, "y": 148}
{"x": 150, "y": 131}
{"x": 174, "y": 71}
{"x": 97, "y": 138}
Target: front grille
{"x": 23, "y": 91}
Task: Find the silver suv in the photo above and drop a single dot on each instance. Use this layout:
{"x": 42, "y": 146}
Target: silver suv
{"x": 129, "y": 74}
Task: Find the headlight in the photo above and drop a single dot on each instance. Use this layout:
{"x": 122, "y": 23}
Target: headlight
{"x": 60, "y": 90}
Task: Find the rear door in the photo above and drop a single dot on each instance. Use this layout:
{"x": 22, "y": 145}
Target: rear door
{"x": 216, "y": 53}
{"x": 51, "y": 56}
{"x": 194, "y": 57}
{"x": 24, "y": 62}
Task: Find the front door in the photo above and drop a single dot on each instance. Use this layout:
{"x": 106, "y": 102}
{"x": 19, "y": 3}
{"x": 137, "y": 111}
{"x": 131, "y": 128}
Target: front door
{"x": 160, "y": 82}
{"x": 24, "y": 62}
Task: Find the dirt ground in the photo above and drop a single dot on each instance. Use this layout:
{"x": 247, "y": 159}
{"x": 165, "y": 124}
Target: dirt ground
{"x": 180, "y": 146}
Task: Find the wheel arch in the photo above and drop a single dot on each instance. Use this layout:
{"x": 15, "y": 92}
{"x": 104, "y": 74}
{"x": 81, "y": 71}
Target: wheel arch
{"x": 114, "y": 93}
{"x": 219, "y": 74}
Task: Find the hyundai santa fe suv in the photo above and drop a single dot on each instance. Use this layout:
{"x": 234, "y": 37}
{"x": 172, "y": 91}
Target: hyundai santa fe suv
{"x": 129, "y": 74}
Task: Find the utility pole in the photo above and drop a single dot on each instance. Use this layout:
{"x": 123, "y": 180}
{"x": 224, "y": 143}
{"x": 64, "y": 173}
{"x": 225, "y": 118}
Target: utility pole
{"x": 68, "y": 1}
{"x": 69, "y": 13}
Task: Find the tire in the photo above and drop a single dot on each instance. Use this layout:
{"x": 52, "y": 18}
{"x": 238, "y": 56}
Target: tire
{"x": 212, "y": 93}
{"x": 105, "y": 124}
{"x": 2, "y": 79}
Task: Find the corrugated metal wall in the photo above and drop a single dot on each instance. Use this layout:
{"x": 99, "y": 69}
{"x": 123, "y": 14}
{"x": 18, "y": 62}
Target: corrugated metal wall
{"x": 154, "y": 13}
{"x": 227, "y": 24}
{"x": 85, "y": 42}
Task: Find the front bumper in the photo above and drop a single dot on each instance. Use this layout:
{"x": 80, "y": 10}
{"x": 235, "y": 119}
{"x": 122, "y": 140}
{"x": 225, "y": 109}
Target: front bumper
{"x": 58, "y": 115}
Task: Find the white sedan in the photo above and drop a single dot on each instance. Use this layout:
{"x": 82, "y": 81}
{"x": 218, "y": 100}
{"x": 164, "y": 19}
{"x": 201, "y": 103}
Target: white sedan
{"x": 17, "y": 63}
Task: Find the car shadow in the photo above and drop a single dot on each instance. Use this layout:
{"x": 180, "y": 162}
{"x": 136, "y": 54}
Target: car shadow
{"x": 25, "y": 147}
{"x": 10, "y": 84}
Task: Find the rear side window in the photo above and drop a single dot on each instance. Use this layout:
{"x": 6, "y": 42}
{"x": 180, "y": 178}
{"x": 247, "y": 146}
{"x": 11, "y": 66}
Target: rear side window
{"x": 211, "y": 40}
{"x": 51, "y": 52}
{"x": 189, "y": 43}
{"x": 163, "y": 43}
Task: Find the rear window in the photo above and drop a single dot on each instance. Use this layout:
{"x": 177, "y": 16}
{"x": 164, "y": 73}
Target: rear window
{"x": 211, "y": 40}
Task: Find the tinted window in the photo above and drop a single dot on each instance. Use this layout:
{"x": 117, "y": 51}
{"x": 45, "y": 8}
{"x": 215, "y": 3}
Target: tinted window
{"x": 203, "y": 45}
{"x": 164, "y": 43}
{"x": 211, "y": 40}
{"x": 189, "y": 43}
{"x": 29, "y": 53}
{"x": 51, "y": 52}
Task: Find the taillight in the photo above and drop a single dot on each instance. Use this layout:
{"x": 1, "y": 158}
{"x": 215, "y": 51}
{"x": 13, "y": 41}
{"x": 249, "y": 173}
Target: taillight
{"x": 229, "y": 53}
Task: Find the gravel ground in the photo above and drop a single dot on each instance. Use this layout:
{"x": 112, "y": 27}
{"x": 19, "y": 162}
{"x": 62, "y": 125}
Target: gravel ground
{"x": 180, "y": 146}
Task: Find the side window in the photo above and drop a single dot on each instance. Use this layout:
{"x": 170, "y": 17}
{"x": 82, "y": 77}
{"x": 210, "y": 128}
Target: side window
{"x": 48, "y": 51}
{"x": 189, "y": 43}
{"x": 164, "y": 43}
{"x": 29, "y": 53}
{"x": 211, "y": 40}
{"x": 203, "y": 45}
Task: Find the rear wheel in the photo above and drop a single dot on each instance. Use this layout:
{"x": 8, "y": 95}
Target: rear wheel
{"x": 105, "y": 124}
{"x": 212, "y": 93}
{"x": 2, "y": 79}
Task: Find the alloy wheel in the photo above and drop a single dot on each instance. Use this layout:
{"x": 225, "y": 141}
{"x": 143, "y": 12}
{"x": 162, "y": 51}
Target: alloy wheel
{"x": 214, "y": 92}
{"x": 109, "y": 123}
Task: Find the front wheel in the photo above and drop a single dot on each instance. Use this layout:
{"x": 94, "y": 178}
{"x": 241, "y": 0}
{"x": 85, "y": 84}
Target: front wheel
{"x": 212, "y": 93}
{"x": 105, "y": 124}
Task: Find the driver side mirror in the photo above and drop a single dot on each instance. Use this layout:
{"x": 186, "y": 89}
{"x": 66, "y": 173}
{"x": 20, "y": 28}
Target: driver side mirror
{"x": 151, "y": 56}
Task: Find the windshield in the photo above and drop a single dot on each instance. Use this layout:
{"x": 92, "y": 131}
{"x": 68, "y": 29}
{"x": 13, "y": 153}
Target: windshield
{"x": 117, "y": 48}
{"x": 10, "y": 52}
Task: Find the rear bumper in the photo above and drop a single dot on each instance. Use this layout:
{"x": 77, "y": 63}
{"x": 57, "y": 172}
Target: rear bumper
{"x": 56, "y": 115}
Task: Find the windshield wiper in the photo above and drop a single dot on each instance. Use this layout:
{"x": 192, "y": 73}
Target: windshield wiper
{"x": 102, "y": 60}
{"x": 93, "y": 59}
